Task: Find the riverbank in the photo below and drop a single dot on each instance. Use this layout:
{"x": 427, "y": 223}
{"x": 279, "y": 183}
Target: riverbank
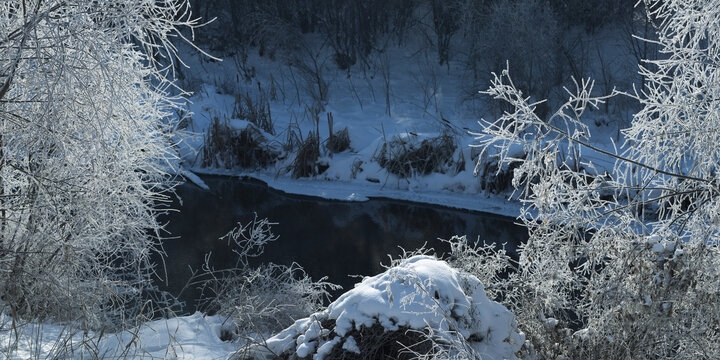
{"x": 408, "y": 135}
{"x": 497, "y": 204}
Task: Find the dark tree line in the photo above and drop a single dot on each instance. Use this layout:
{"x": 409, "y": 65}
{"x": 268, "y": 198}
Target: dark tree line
{"x": 354, "y": 29}
{"x": 544, "y": 41}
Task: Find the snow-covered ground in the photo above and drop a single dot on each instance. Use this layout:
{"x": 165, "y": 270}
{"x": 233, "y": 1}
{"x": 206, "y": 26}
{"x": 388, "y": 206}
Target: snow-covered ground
{"x": 403, "y": 93}
{"x": 418, "y": 292}
{"x": 187, "y": 337}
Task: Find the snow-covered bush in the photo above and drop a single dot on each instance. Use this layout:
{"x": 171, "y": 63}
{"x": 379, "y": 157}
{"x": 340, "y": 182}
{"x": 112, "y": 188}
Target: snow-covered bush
{"x": 86, "y": 111}
{"x": 488, "y": 262}
{"x": 599, "y": 278}
{"x": 419, "y": 306}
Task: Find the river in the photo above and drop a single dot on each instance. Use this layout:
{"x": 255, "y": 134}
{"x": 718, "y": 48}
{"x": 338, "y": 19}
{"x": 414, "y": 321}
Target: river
{"x": 327, "y": 237}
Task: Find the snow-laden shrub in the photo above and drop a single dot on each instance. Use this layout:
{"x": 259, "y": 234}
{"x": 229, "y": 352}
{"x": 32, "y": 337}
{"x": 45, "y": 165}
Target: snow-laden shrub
{"x": 405, "y": 156}
{"x": 265, "y": 299}
{"x": 421, "y": 302}
{"x": 490, "y": 263}
{"x": 598, "y": 279}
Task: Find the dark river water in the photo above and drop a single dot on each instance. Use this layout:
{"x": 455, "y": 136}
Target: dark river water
{"x": 328, "y": 238}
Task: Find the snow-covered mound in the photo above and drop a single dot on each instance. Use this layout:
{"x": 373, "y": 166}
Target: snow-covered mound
{"x": 419, "y": 293}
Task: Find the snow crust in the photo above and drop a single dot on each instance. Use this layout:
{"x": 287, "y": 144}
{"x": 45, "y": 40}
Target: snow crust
{"x": 419, "y": 292}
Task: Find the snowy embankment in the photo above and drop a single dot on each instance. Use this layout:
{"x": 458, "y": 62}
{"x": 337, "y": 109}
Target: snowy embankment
{"x": 498, "y": 204}
{"x": 419, "y": 297}
{"x": 395, "y": 128}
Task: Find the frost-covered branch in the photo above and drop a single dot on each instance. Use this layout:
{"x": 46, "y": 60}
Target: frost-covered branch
{"x": 86, "y": 116}
{"x": 259, "y": 300}
{"x": 249, "y": 239}
{"x": 622, "y": 261}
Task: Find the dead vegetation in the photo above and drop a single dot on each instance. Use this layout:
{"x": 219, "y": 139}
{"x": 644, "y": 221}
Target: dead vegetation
{"x": 306, "y": 158}
{"x": 228, "y": 147}
{"x": 339, "y": 142}
{"x": 267, "y": 298}
{"x": 405, "y": 157}
{"x": 494, "y": 181}
{"x": 376, "y": 342}
{"x": 255, "y": 110}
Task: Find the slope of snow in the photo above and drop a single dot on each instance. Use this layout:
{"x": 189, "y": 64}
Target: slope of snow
{"x": 498, "y": 204}
{"x": 423, "y": 100}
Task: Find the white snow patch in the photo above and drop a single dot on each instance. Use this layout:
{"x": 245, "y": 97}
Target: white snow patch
{"x": 189, "y": 175}
{"x": 351, "y": 345}
{"x": 185, "y": 337}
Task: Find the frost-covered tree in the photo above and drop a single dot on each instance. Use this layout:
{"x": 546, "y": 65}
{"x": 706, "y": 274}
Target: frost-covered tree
{"x": 622, "y": 262}
{"x": 85, "y": 114}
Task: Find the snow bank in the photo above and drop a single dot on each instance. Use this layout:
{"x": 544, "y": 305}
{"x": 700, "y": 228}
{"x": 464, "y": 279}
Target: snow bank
{"x": 185, "y": 337}
{"x": 354, "y": 191}
{"x": 418, "y": 293}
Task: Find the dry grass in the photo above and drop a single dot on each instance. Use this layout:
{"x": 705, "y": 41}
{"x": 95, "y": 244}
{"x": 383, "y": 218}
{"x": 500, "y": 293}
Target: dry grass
{"x": 404, "y": 157}
{"x": 228, "y": 147}
{"x": 339, "y": 142}
{"x": 267, "y": 299}
{"x": 256, "y": 111}
{"x": 305, "y": 163}
{"x": 495, "y": 181}
{"x": 376, "y": 342}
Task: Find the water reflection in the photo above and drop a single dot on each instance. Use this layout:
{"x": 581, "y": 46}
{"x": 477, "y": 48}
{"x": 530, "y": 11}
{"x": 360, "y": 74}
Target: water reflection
{"x": 328, "y": 238}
